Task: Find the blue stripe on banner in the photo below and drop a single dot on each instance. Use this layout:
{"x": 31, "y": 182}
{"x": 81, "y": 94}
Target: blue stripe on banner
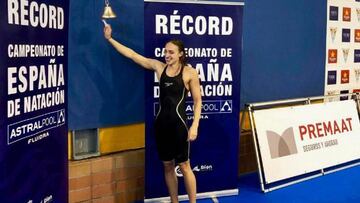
{"x": 212, "y": 36}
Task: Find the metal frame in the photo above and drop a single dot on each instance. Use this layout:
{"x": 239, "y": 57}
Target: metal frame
{"x": 299, "y": 101}
{"x": 212, "y": 195}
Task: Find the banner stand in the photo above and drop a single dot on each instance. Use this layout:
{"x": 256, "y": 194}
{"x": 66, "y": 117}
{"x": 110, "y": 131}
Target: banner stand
{"x": 212, "y": 195}
{"x": 252, "y": 107}
{"x": 212, "y": 35}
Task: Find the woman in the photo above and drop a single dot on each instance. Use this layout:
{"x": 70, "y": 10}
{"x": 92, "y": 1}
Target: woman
{"x": 171, "y": 132}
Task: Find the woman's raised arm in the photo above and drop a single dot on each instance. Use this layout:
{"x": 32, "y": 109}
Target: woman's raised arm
{"x": 148, "y": 63}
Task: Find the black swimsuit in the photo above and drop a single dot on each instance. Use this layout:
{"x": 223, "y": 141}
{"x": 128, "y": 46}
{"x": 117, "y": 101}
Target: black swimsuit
{"x": 171, "y": 131}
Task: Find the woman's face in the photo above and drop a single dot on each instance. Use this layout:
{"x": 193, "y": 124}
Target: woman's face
{"x": 172, "y": 54}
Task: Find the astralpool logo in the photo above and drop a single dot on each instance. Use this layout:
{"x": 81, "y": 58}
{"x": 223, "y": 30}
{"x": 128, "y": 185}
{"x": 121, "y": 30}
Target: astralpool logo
{"x": 281, "y": 145}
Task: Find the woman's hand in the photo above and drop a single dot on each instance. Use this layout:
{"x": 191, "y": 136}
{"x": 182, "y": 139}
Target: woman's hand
{"x": 192, "y": 133}
{"x": 107, "y": 32}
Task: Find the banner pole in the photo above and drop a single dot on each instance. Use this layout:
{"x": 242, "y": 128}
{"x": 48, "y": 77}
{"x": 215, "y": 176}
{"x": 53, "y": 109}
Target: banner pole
{"x": 258, "y": 160}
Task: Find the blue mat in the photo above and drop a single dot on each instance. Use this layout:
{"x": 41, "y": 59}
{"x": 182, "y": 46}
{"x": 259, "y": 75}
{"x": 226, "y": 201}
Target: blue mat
{"x": 339, "y": 187}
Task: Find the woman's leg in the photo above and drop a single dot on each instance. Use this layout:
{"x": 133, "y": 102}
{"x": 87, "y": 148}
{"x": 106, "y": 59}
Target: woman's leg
{"x": 189, "y": 179}
{"x": 171, "y": 180}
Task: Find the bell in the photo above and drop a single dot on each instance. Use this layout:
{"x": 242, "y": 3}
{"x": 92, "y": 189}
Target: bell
{"x": 108, "y": 12}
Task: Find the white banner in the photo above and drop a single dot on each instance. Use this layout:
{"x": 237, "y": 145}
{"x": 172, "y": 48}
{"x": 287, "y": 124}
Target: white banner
{"x": 298, "y": 140}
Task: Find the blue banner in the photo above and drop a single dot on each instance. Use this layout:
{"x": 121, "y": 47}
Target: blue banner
{"x": 212, "y": 34}
{"x": 33, "y": 101}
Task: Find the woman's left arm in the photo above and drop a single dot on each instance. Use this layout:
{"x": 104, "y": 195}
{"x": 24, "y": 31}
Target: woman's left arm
{"x": 194, "y": 86}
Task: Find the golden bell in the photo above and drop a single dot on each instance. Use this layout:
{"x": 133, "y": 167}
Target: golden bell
{"x": 108, "y": 12}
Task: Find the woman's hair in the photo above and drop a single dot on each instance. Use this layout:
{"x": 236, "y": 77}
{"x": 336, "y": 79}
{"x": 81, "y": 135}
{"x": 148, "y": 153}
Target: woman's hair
{"x": 181, "y": 48}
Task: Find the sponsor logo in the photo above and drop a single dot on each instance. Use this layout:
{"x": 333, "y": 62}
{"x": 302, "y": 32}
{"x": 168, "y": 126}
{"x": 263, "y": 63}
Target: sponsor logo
{"x": 208, "y": 107}
{"x": 357, "y": 74}
{"x": 347, "y": 14}
{"x": 334, "y": 13}
{"x": 333, "y": 31}
{"x": 35, "y": 128}
{"x": 332, "y": 56}
{"x": 356, "y": 55}
{"x": 345, "y": 35}
{"x": 281, "y": 145}
{"x": 168, "y": 84}
{"x": 331, "y": 80}
{"x": 331, "y": 93}
{"x": 356, "y": 90}
{"x": 226, "y": 106}
{"x": 48, "y": 199}
{"x": 196, "y": 169}
{"x": 322, "y": 129}
{"x": 345, "y": 76}
{"x": 345, "y": 97}
{"x": 178, "y": 171}
{"x": 319, "y": 130}
{"x": 203, "y": 168}
{"x": 358, "y": 14}
{"x": 61, "y": 116}
{"x": 345, "y": 52}
{"x": 357, "y": 35}
{"x": 211, "y": 107}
